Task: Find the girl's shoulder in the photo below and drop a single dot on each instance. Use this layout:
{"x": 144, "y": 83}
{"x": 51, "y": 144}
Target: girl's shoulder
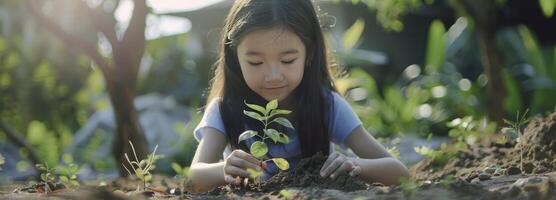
{"x": 213, "y": 105}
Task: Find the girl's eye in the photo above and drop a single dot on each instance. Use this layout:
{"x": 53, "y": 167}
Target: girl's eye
{"x": 289, "y": 61}
{"x": 254, "y": 63}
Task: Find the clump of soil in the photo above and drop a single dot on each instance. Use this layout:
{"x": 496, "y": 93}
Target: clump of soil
{"x": 307, "y": 174}
{"x": 539, "y": 145}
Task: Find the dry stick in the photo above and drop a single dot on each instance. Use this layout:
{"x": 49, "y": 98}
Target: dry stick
{"x": 16, "y": 138}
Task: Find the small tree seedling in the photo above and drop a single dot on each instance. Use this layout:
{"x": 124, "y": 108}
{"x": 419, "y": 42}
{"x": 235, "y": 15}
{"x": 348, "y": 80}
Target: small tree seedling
{"x": 259, "y": 149}
{"x": 47, "y": 175}
{"x": 142, "y": 169}
{"x": 514, "y": 131}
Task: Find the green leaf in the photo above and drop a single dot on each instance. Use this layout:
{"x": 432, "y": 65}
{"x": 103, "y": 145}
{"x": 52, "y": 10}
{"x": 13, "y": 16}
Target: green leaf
{"x": 259, "y": 149}
{"x": 272, "y": 105}
{"x": 64, "y": 179}
{"x": 176, "y": 167}
{"x": 281, "y": 163}
{"x": 41, "y": 167}
{"x": 254, "y": 173}
{"x": 246, "y": 135}
{"x": 273, "y": 134}
{"x": 436, "y": 46}
{"x": 43, "y": 177}
{"x": 353, "y": 34}
{"x": 283, "y": 121}
{"x": 148, "y": 177}
{"x": 257, "y": 108}
{"x": 143, "y": 163}
{"x": 548, "y": 7}
{"x": 278, "y": 112}
{"x": 284, "y": 139}
{"x": 254, "y": 115}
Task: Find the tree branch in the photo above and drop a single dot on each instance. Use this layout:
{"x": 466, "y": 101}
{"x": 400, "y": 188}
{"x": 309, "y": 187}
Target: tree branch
{"x": 107, "y": 27}
{"x": 69, "y": 39}
{"x": 15, "y": 137}
{"x": 134, "y": 36}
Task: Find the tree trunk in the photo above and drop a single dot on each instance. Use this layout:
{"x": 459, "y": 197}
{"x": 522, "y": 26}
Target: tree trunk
{"x": 120, "y": 75}
{"x": 485, "y": 16}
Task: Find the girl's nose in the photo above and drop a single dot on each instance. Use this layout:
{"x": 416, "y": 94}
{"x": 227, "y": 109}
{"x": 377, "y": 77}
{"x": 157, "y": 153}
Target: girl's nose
{"x": 274, "y": 75}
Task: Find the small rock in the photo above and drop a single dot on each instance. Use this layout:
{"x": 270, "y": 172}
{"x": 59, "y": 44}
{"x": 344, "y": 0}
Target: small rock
{"x": 484, "y": 176}
{"x": 489, "y": 170}
{"x": 513, "y": 170}
{"x": 475, "y": 181}
{"x": 531, "y": 181}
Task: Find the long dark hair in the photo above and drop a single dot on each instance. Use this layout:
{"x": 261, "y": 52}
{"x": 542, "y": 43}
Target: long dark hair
{"x": 311, "y": 108}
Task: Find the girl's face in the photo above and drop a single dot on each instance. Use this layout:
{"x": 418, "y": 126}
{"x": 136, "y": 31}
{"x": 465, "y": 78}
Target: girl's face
{"x": 272, "y": 61}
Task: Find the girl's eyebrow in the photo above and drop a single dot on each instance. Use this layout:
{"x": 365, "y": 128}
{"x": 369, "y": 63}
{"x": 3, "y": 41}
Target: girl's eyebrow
{"x": 254, "y": 53}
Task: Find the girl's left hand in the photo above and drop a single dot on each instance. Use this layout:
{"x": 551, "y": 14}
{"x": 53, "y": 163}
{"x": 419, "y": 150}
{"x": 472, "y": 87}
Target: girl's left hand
{"x": 336, "y": 164}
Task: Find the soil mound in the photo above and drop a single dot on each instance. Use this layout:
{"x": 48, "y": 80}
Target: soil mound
{"x": 306, "y": 174}
{"x": 539, "y": 145}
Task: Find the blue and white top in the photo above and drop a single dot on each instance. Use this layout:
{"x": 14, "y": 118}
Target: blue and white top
{"x": 342, "y": 122}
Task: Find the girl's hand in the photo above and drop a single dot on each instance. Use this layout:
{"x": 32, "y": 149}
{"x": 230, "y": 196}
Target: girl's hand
{"x": 236, "y": 164}
{"x": 338, "y": 163}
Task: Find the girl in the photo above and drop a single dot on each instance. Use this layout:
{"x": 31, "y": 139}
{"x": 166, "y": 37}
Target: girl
{"x": 274, "y": 49}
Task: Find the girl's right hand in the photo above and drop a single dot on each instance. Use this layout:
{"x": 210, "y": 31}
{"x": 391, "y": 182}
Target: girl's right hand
{"x": 236, "y": 164}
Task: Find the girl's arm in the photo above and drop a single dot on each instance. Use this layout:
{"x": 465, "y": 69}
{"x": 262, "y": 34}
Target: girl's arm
{"x": 206, "y": 171}
{"x": 375, "y": 163}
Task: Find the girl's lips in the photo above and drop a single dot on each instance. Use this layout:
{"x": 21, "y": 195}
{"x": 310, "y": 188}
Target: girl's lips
{"x": 274, "y": 88}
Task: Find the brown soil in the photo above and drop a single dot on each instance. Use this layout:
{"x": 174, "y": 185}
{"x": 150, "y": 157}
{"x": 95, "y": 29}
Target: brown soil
{"x": 483, "y": 171}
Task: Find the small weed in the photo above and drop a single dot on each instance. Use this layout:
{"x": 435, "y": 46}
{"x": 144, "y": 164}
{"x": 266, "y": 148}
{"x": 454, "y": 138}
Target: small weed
{"x": 514, "y": 130}
{"x": 142, "y": 169}
{"x": 47, "y": 175}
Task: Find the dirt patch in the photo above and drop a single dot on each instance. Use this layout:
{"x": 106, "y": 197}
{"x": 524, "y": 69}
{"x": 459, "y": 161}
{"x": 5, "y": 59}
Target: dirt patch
{"x": 486, "y": 170}
{"x": 539, "y": 145}
{"x": 306, "y": 174}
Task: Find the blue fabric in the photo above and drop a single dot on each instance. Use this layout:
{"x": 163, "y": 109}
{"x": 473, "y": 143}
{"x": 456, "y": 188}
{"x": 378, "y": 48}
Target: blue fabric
{"x": 342, "y": 122}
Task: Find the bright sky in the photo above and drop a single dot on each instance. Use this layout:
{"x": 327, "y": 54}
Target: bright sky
{"x": 163, "y": 25}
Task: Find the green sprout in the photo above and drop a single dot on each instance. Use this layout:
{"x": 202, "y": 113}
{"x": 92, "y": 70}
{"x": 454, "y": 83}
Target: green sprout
{"x": 47, "y": 175}
{"x": 143, "y": 168}
{"x": 266, "y": 115}
{"x": 514, "y": 131}
{"x": 181, "y": 174}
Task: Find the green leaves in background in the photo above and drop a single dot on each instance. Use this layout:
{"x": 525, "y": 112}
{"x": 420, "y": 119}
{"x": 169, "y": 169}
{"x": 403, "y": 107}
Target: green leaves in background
{"x": 353, "y": 34}
{"x": 548, "y": 7}
{"x": 436, "y": 46}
